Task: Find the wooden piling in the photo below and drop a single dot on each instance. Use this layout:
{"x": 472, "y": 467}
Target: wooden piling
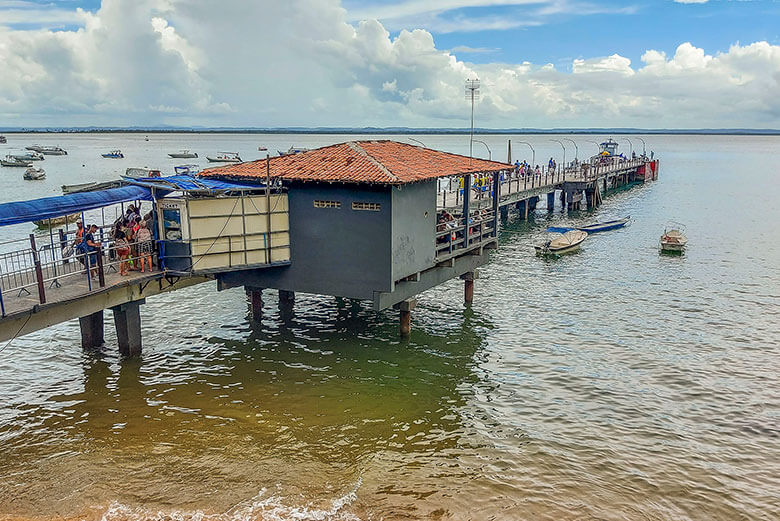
{"x": 255, "y": 296}
{"x": 405, "y": 318}
{"x": 468, "y": 286}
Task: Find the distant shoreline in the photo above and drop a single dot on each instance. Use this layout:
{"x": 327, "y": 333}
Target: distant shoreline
{"x": 398, "y": 131}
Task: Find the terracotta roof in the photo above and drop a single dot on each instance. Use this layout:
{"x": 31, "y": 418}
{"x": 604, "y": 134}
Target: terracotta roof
{"x": 377, "y": 162}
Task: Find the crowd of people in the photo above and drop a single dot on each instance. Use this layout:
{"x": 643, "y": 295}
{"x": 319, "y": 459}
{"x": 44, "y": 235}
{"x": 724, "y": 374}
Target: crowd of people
{"x": 133, "y": 243}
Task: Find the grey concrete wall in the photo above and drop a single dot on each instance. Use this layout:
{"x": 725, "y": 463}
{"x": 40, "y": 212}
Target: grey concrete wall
{"x": 414, "y": 228}
{"x": 341, "y": 252}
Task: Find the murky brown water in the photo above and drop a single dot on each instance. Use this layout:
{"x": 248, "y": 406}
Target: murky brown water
{"x": 608, "y": 385}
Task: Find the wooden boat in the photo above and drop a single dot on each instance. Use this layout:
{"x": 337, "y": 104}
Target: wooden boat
{"x": 673, "y": 241}
{"x": 605, "y": 226}
{"x": 261, "y": 148}
{"x": 89, "y": 187}
{"x": 184, "y": 154}
{"x": 12, "y": 161}
{"x": 58, "y": 221}
{"x": 114, "y": 154}
{"x": 34, "y": 174}
{"x": 225, "y": 157}
{"x": 562, "y": 243}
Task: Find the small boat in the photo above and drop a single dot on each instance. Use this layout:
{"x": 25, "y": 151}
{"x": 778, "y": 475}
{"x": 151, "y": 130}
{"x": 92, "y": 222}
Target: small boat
{"x": 140, "y": 173}
{"x": 186, "y": 169}
{"x": 58, "y": 221}
{"x": 34, "y": 174}
{"x": 3, "y": 140}
{"x": 262, "y": 149}
{"x": 673, "y": 240}
{"x": 562, "y": 243}
{"x": 12, "y": 161}
{"x": 183, "y": 154}
{"x": 51, "y": 151}
{"x": 293, "y": 150}
{"x": 34, "y": 148}
{"x": 114, "y": 154}
{"x": 31, "y": 156}
{"x": 605, "y": 226}
{"x": 225, "y": 157}
{"x": 89, "y": 187}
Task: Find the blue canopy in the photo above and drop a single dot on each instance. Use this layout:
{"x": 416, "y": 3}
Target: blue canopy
{"x": 190, "y": 183}
{"x": 51, "y": 207}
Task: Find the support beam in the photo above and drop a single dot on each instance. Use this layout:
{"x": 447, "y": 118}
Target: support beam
{"x": 255, "y": 296}
{"x": 468, "y": 286}
{"x": 127, "y": 319}
{"x": 551, "y": 201}
{"x": 91, "y": 330}
{"x": 405, "y": 324}
{"x": 286, "y": 298}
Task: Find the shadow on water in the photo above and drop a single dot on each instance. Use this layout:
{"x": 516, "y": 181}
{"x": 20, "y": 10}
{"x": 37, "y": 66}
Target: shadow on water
{"x": 322, "y": 389}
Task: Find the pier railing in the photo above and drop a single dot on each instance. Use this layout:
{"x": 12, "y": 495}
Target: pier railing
{"x": 455, "y": 235}
{"x": 33, "y": 271}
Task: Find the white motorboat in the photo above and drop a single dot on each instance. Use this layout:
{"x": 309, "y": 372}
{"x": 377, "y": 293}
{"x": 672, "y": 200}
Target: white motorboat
{"x": 562, "y": 243}
{"x": 52, "y": 151}
{"x": 139, "y": 173}
{"x": 183, "y": 154}
{"x": 673, "y": 239}
{"x": 30, "y": 156}
{"x": 12, "y": 161}
{"x": 293, "y": 150}
{"x": 186, "y": 169}
{"x": 225, "y": 157}
{"x": 34, "y": 174}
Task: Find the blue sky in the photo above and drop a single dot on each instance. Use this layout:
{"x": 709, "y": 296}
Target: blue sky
{"x": 712, "y": 63}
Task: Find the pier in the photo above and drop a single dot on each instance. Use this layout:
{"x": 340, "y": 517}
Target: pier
{"x": 372, "y": 220}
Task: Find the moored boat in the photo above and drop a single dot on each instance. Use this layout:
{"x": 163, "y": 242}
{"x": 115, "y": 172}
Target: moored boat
{"x": 114, "y": 154}
{"x": 34, "y": 174}
{"x": 89, "y": 187}
{"x": 225, "y": 157}
{"x": 673, "y": 239}
{"x": 30, "y": 156}
{"x": 186, "y": 169}
{"x": 562, "y": 243}
{"x": 183, "y": 154}
{"x": 604, "y": 226}
{"x": 3, "y": 140}
{"x": 12, "y": 161}
{"x": 58, "y": 221}
{"x": 51, "y": 151}
{"x": 139, "y": 173}
{"x": 293, "y": 150}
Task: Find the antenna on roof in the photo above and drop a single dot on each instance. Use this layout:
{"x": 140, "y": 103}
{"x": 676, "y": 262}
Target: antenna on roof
{"x": 472, "y": 93}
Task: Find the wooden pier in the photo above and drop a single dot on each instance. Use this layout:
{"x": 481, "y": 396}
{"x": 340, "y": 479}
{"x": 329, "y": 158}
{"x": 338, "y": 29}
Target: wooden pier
{"x": 362, "y": 220}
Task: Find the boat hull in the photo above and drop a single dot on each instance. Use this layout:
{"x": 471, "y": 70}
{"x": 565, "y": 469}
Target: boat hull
{"x": 17, "y": 164}
{"x": 183, "y": 156}
{"x": 219, "y": 160}
{"x": 604, "y": 227}
{"x": 58, "y": 221}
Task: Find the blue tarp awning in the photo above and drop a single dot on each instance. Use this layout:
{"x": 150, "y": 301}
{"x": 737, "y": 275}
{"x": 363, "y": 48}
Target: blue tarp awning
{"x": 189, "y": 183}
{"x": 51, "y": 207}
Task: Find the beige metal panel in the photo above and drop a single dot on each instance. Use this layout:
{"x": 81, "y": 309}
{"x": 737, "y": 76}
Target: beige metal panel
{"x": 214, "y": 206}
{"x": 210, "y": 227}
{"x": 280, "y": 221}
{"x": 257, "y": 257}
{"x": 257, "y": 223}
{"x": 280, "y": 254}
{"x": 280, "y": 239}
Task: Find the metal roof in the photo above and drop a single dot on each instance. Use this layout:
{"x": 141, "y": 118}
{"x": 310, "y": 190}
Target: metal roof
{"x": 376, "y": 162}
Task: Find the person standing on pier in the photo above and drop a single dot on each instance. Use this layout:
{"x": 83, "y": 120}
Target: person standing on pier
{"x": 91, "y": 248}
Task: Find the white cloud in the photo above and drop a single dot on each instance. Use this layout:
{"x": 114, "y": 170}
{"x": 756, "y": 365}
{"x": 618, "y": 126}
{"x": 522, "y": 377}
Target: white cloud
{"x": 302, "y": 62}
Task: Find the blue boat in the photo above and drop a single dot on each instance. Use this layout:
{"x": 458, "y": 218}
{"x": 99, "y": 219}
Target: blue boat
{"x": 114, "y": 154}
{"x": 593, "y": 228}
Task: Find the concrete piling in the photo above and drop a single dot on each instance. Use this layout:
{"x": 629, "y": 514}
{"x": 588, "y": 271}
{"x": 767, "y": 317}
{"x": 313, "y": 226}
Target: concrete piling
{"x": 468, "y": 286}
{"x": 255, "y": 296}
{"x": 405, "y": 323}
{"x": 127, "y": 319}
{"x": 92, "y": 330}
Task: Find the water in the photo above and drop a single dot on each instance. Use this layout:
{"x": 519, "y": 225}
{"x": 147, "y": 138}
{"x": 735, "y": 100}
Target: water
{"x": 610, "y": 384}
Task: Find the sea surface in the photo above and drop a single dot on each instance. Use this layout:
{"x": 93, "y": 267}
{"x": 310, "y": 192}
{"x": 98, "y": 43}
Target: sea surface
{"x": 611, "y": 384}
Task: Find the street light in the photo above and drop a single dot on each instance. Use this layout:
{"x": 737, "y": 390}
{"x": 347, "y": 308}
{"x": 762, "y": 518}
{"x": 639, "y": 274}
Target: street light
{"x": 631, "y": 145}
{"x": 576, "y": 149}
{"x": 472, "y": 93}
{"x": 644, "y": 145}
{"x": 416, "y": 141}
{"x": 533, "y": 152}
{"x": 564, "y": 154}
{"x": 490, "y": 154}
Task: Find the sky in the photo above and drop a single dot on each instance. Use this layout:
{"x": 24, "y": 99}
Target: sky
{"x": 381, "y": 63}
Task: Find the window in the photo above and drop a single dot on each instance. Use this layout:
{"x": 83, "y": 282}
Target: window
{"x": 326, "y": 204}
{"x": 372, "y": 207}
